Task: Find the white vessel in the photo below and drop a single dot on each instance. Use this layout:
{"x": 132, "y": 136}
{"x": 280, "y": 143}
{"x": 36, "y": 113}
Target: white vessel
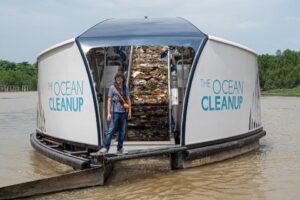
{"x": 212, "y": 98}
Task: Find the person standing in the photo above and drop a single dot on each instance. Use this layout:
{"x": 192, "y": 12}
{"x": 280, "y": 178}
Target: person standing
{"x": 118, "y": 109}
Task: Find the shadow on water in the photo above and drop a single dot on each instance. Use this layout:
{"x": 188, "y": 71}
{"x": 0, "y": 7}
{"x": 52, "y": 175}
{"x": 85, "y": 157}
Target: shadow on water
{"x": 45, "y": 167}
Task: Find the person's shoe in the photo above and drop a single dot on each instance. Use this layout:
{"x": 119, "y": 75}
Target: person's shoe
{"x": 120, "y": 151}
{"x": 103, "y": 150}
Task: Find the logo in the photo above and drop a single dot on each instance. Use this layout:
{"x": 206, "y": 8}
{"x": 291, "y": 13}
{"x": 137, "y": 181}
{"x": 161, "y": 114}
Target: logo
{"x": 66, "y": 95}
{"x": 225, "y": 94}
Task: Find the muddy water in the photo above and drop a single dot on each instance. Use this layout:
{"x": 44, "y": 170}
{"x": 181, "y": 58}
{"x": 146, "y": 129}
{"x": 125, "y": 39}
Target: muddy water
{"x": 272, "y": 172}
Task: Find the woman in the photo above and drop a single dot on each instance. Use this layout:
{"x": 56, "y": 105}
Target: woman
{"x": 118, "y": 106}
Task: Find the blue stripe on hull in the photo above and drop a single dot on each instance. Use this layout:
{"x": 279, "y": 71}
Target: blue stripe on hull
{"x": 93, "y": 91}
{"x": 188, "y": 88}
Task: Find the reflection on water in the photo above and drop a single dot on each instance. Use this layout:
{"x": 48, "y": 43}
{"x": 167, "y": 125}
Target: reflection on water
{"x": 272, "y": 172}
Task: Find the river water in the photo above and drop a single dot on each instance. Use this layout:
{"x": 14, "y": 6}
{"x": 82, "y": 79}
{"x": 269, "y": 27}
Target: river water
{"x": 272, "y": 172}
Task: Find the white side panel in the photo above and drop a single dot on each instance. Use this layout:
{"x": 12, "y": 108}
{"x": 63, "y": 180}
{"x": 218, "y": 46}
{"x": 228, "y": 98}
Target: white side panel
{"x": 224, "y": 95}
{"x": 66, "y": 108}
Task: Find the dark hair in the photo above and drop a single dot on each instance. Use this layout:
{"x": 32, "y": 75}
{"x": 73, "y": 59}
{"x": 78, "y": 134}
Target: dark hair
{"x": 120, "y": 74}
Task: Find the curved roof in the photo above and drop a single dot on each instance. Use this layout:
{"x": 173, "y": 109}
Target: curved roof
{"x": 149, "y": 31}
{"x": 151, "y": 27}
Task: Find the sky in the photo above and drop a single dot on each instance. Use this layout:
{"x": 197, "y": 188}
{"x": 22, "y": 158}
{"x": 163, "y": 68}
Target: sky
{"x": 27, "y": 27}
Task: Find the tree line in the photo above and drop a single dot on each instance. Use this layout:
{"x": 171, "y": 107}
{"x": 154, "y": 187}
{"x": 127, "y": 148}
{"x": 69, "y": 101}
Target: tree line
{"x": 18, "y": 74}
{"x": 275, "y": 71}
{"x": 279, "y": 71}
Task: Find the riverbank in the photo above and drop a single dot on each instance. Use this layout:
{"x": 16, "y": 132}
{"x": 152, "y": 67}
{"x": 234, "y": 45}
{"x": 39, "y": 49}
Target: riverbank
{"x": 283, "y": 92}
{"x": 14, "y": 88}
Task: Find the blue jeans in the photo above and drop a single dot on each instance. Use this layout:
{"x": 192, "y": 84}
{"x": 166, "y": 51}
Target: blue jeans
{"x": 117, "y": 123}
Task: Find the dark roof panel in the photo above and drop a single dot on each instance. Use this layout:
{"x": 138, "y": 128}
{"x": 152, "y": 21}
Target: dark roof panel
{"x": 151, "y": 27}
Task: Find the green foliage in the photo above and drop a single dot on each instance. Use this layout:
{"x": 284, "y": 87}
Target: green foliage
{"x": 18, "y": 74}
{"x": 284, "y": 92}
{"x": 279, "y": 71}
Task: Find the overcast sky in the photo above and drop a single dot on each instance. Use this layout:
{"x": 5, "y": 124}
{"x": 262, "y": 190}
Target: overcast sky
{"x": 27, "y": 27}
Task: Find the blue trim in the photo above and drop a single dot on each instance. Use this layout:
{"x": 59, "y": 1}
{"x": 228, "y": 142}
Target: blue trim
{"x": 188, "y": 88}
{"x": 92, "y": 89}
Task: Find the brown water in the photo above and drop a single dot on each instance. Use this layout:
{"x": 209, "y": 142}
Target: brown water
{"x": 272, "y": 172}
